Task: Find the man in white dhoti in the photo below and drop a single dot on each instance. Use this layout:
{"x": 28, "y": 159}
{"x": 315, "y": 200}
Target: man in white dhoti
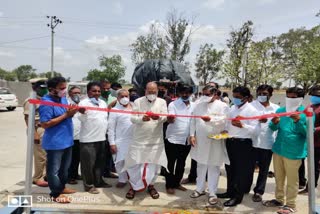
{"x": 120, "y": 134}
{"x": 209, "y": 154}
{"x": 146, "y": 152}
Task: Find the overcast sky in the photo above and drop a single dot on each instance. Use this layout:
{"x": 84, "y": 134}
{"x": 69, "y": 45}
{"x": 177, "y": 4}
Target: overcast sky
{"x": 106, "y": 27}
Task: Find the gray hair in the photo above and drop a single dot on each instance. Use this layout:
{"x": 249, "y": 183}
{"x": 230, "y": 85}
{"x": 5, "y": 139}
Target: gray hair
{"x": 120, "y": 91}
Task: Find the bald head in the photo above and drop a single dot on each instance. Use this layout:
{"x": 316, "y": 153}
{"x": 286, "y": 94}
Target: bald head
{"x": 151, "y": 88}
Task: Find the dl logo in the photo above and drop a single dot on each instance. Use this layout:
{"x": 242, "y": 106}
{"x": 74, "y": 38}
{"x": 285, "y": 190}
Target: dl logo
{"x": 19, "y": 200}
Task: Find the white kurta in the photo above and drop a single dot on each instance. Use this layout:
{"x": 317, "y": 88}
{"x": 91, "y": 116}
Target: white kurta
{"x": 120, "y": 132}
{"x": 147, "y": 143}
{"x": 209, "y": 151}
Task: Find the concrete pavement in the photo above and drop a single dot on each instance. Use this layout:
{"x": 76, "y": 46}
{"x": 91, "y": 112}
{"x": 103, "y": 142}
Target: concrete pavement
{"x": 12, "y": 160}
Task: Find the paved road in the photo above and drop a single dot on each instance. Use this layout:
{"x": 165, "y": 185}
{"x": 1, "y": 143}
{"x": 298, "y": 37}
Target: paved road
{"x": 12, "y": 170}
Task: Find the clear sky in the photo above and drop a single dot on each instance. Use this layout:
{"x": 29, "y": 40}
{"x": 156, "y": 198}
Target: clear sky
{"x": 93, "y": 28}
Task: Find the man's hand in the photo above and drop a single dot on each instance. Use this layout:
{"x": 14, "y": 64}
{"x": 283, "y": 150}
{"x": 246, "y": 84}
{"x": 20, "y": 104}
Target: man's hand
{"x": 71, "y": 111}
{"x": 264, "y": 120}
{"x": 295, "y": 117}
{"x": 237, "y": 123}
{"x": 155, "y": 117}
{"x": 206, "y": 118}
{"x": 275, "y": 120}
{"x": 113, "y": 149}
{"x": 192, "y": 140}
{"x": 82, "y": 110}
{"x": 145, "y": 118}
{"x": 171, "y": 118}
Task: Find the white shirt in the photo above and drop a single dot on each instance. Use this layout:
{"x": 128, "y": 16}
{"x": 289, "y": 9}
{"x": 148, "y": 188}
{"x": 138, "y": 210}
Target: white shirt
{"x": 120, "y": 130}
{"x": 178, "y": 131}
{"x": 266, "y": 137}
{"x": 94, "y": 124}
{"x": 250, "y": 128}
{"x": 76, "y": 123}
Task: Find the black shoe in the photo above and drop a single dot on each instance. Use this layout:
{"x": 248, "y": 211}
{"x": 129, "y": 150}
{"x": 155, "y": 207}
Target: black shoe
{"x": 224, "y": 195}
{"x": 232, "y": 202}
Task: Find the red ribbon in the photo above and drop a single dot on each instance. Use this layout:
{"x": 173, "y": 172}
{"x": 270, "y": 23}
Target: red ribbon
{"x": 265, "y": 116}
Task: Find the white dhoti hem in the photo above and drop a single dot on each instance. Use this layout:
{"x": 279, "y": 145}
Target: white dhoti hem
{"x": 213, "y": 178}
{"x": 142, "y": 175}
{"x": 123, "y": 176}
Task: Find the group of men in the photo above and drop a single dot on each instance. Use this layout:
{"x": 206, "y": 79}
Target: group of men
{"x": 151, "y": 131}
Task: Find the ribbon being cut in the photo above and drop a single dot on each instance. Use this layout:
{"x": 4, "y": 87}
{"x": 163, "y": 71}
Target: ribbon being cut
{"x": 265, "y": 116}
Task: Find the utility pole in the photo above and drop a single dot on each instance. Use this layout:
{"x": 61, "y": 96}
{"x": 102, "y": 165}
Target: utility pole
{"x": 54, "y": 21}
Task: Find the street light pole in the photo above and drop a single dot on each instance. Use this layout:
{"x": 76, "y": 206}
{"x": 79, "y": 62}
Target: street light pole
{"x": 54, "y": 21}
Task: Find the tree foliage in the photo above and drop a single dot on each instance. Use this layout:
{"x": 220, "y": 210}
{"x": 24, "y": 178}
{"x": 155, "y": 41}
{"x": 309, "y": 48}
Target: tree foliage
{"x": 112, "y": 69}
{"x": 25, "y": 72}
{"x": 208, "y": 63}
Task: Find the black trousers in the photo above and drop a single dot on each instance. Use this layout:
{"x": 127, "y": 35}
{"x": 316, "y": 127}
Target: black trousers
{"x": 316, "y": 166}
{"x": 241, "y": 155}
{"x": 75, "y": 161}
{"x": 302, "y": 174}
{"x": 192, "y": 177}
{"x": 93, "y": 159}
{"x": 177, "y": 155}
{"x": 263, "y": 159}
{"x": 109, "y": 165}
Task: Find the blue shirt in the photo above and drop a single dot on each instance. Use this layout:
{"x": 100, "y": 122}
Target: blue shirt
{"x": 291, "y": 141}
{"x": 59, "y": 136}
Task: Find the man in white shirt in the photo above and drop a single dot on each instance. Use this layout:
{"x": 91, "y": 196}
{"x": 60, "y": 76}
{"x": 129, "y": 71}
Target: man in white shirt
{"x": 120, "y": 133}
{"x": 93, "y": 139}
{"x": 177, "y": 147}
{"x": 264, "y": 141}
{"x": 74, "y": 99}
{"x": 146, "y": 152}
{"x": 239, "y": 147}
{"x": 209, "y": 154}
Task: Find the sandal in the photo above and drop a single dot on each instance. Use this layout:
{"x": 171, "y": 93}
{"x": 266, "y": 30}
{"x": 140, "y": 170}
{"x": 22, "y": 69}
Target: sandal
{"x": 130, "y": 194}
{"x": 197, "y": 194}
{"x": 153, "y": 192}
{"x": 213, "y": 200}
{"x": 286, "y": 210}
{"x": 272, "y": 203}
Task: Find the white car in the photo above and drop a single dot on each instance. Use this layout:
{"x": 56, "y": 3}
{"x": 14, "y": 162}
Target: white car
{"x": 7, "y": 99}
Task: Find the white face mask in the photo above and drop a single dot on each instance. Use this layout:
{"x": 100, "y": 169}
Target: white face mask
{"x": 124, "y": 101}
{"x": 292, "y": 104}
{"x": 262, "y": 99}
{"x": 205, "y": 99}
{"x": 62, "y": 93}
{"x": 151, "y": 97}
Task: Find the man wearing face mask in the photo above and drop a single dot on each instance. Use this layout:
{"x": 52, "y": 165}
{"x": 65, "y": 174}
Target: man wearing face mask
{"x": 114, "y": 88}
{"x": 208, "y": 155}
{"x": 133, "y": 94}
{"x": 93, "y": 139}
{"x": 39, "y": 85}
{"x": 264, "y": 141}
{"x": 120, "y": 134}
{"x": 163, "y": 92}
{"x": 177, "y": 147}
{"x": 288, "y": 150}
{"x": 239, "y": 147}
{"x": 58, "y": 138}
{"x": 146, "y": 152}
{"x": 106, "y": 92}
{"x": 314, "y": 94}
{"x": 74, "y": 99}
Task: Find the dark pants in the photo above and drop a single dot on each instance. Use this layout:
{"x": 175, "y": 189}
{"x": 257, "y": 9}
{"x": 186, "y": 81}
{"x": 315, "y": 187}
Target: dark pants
{"x": 109, "y": 165}
{"x": 73, "y": 170}
{"x": 302, "y": 174}
{"x": 58, "y": 163}
{"x": 92, "y": 163}
{"x": 177, "y": 155}
{"x": 316, "y": 166}
{"x": 241, "y": 155}
{"x": 192, "y": 177}
{"x": 263, "y": 159}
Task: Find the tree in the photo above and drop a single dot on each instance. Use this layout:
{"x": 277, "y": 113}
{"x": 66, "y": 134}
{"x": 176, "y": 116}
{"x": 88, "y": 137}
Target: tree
{"x": 151, "y": 46}
{"x": 7, "y": 75}
{"x": 48, "y": 74}
{"x": 171, "y": 41}
{"x": 238, "y": 44}
{"x": 25, "y": 72}
{"x": 208, "y": 63}
{"x": 112, "y": 69}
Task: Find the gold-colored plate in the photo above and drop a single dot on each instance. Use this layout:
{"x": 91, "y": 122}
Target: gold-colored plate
{"x": 219, "y": 136}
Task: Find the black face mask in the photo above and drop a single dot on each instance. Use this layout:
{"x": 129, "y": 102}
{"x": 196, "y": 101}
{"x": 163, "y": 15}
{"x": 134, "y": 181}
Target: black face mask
{"x": 161, "y": 94}
{"x": 133, "y": 97}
